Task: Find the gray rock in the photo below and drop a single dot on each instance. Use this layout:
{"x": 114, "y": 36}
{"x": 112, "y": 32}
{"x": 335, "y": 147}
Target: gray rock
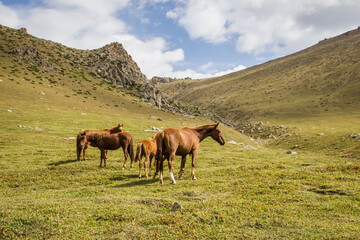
{"x": 291, "y": 152}
{"x": 69, "y": 138}
{"x": 248, "y": 147}
{"x": 176, "y": 207}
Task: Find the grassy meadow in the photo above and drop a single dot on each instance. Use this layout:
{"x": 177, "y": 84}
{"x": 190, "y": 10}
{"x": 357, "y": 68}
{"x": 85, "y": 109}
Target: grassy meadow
{"x": 260, "y": 193}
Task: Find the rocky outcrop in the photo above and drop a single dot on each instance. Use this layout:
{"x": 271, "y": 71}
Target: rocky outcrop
{"x": 30, "y": 55}
{"x": 115, "y": 64}
{"x": 156, "y": 80}
{"x": 111, "y": 63}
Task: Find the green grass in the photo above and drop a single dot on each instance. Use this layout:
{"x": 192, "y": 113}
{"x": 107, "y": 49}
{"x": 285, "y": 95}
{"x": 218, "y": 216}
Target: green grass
{"x": 262, "y": 193}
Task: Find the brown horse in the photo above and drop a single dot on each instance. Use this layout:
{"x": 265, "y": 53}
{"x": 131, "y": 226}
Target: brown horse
{"x": 80, "y": 147}
{"x": 111, "y": 142}
{"x": 146, "y": 148}
{"x": 182, "y": 142}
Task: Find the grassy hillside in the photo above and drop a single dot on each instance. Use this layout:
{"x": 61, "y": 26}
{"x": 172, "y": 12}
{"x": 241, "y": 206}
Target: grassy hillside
{"x": 313, "y": 91}
{"x": 241, "y": 193}
{"x": 322, "y": 79}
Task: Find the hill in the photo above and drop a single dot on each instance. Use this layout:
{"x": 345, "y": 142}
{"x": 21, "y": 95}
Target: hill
{"x": 321, "y": 80}
{"x": 49, "y": 92}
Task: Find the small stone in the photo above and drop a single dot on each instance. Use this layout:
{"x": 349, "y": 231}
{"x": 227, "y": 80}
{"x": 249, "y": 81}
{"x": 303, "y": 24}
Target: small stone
{"x": 176, "y": 207}
{"x": 248, "y": 147}
{"x": 291, "y": 152}
{"x": 21, "y": 126}
{"x": 159, "y": 119}
{"x": 69, "y": 138}
{"x": 9, "y": 110}
{"x": 232, "y": 142}
{"x": 321, "y": 134}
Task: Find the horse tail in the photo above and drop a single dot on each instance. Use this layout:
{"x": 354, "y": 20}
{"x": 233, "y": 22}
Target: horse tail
{"x": 131, "y": 149}
{"x": 159, "y": 151}
{"x": 138, "y": 152}
{"x": 78, "y": 146}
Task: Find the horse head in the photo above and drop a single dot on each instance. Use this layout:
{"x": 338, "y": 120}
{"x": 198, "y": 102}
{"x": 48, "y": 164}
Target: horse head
{"x": 118, "y": 128}
{"x": 217, "y": 135}
{"x": 82, "y": 139}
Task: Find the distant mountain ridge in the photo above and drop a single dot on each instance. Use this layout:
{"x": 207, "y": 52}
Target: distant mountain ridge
{"x": 110, "y": 63}
{"x": 321, "y": 79}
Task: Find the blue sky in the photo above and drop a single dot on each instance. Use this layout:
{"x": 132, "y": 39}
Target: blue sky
{"x": 186, "y": 38}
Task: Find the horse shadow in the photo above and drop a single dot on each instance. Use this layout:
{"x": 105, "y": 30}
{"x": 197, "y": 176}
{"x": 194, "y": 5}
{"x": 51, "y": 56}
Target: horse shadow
{"x": 62, "y": 162}
{"x": 138, "y": 182}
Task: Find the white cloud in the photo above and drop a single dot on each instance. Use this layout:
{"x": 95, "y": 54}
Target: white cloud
{"x": 206, "y": 66}
{"x": 92, "y": 24}
{"x": 8, "y": 16}
{"x": 197, "y": 75}
{"x": 259, "y": 26}
{"x": 153, "y": 56}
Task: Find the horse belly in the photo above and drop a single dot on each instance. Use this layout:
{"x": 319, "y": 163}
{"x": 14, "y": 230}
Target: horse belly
{"x": 181, "y": 151}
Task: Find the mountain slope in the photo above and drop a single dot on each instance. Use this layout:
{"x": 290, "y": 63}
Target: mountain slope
{"x": 110, "y": 63}
{"x": 324, "y": 78}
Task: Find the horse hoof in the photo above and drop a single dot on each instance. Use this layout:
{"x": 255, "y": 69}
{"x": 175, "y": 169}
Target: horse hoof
{"x": 173, "y": 183}
{"x": 123, "y": 168}
{"x": 180, "y": 178}
{"x": 194, "y": 178}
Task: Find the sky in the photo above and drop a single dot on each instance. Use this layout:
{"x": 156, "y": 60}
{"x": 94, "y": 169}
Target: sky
{"x": 186, "y": 38}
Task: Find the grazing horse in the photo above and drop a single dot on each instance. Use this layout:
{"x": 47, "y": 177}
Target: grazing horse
{"x": 182, "y": 142}
{"x": 146, "y": 148}
{"x": 111, "y": 142}
{"x": 83, "y": 147}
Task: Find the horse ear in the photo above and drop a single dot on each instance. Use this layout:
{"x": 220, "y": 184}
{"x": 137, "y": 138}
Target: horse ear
{"x": 121, "y": 125}
{"x": 83, "y": 133}
{"x": 216, "y": 125}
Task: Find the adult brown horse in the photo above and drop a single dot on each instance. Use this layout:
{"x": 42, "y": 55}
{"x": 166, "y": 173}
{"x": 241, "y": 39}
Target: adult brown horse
{"x": 182, "y": 142}
{"x": 111, "y": 142}
{"x": 146, "y": 148}
{"x": 83, "y": 147}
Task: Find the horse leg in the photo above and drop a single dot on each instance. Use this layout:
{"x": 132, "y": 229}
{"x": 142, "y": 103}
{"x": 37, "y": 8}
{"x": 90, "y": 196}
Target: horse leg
{"x": 78, "y": 152}
{"x": 182, "y": 167}
{"x": 171, "y": 161}
{"x": 194, "y": 152}
{"x": 101, "y": 157}
{"x": 84, "y": 151}
{"x": 145, "y": 165}
{"x": 161, "y": 168}
{"x": 140, "y": 159}
{"x": 150, "y": 164}
{"x": 126, "y": 157}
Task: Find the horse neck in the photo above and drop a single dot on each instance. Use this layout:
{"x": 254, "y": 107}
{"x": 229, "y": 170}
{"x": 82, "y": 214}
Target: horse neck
{"x": 203, "y": 132}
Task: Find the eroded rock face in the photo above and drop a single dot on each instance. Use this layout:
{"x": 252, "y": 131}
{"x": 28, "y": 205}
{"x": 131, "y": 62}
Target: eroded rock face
{"x": 30, "y": 55}
{"x": 114, "y": 63}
